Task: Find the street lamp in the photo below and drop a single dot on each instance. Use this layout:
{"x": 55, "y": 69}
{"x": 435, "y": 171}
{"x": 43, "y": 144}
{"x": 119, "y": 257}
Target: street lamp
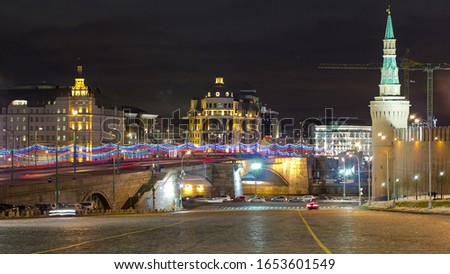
{"x": 255, "y": 166}
{"x": 114, "y": 182}
{"x": 35, "y": 145}
{"x": 387, "y": 174}
{"x": 180, "y": 190}
{"x": 441, "y": 174}
{"x": 369, "y": 162}
{"x": 430, "y": 204}
{"x": 415, "y": 180}
{"x": 359, "y": 180}
{"x": 345, "y": 171}
{"x": 395, "y": 191}
{"x": 57, "y": 169}
{"x": 75, "y": 129}
{"x": 383, "y": 137}
{"x": 12, "y": 152}
{"x": 182, "y": 158}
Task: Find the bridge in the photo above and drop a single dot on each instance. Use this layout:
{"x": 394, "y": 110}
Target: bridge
{"x": 133, "y": 188}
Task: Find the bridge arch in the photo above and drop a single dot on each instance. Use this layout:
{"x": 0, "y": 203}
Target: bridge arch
{"x": 100, "y": 199}
{"x": 265, "y": 175}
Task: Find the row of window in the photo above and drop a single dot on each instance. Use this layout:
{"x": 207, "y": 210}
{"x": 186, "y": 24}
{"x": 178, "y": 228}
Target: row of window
{"x": 40, "y": 119}
{"x": 219, "y": 113}
{"x": 43, "y": 138}
{"x": 35, "y": 119}
{"x": 47, "y": 128}
{"x": 42, "y": 111}
{"x": 219, "y": 105}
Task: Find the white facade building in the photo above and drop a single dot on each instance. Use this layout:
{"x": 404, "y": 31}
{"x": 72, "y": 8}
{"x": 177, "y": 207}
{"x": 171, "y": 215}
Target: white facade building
{"x": 337, "y": 139}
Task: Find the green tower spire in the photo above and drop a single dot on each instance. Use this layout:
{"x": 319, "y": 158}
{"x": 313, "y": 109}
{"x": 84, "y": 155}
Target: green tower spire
{"x": 389, "y": 71}
{"x": 389, "y": 29}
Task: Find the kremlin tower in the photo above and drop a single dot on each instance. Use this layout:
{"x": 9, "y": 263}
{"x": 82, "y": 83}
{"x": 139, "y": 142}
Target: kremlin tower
{"x": 389, "y": 111}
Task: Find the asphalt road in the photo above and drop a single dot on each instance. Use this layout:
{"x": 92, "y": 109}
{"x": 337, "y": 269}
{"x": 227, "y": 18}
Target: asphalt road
{"x": 252, "y": 229}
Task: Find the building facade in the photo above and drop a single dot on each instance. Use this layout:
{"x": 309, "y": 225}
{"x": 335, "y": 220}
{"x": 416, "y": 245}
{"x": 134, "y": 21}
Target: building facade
{"x": 343, "y": 135}
{"x": 224, "y": 117}
{"x": 53, "y": 116}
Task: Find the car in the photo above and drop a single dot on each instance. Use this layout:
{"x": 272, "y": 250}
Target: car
{"x": 77, "y": 207}
{"x": 7, "y": 208}
{"x": 45, "y": 207}
{"x": 187, "y": 199}
{"x": 30, "y": 209}
{"x": 296, "y": 200}
{"x": 279, "y": 199}
{"x": 257, "y": 199}
{"x": 223, "y": 198}
{"x": 200, "y": 199}
{"x": 326, "y": 198}
{"x": 240, "y": 199}
{"x": 88, "y": 205}
{"x": 312, "y": 205}
{"x": 64, "y": 210}
{"x": 308, "y": 198}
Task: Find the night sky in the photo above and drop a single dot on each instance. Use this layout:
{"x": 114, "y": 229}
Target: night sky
{"x": 156, "y": 55}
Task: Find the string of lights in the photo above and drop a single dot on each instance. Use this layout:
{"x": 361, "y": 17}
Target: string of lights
{"x": 46, "y": 155}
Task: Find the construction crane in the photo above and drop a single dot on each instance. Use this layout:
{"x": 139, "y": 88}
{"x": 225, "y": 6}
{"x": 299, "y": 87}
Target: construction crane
{"x": 406, "y": 65}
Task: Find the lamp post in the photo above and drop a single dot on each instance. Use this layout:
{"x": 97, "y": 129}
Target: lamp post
{"x": 387, "y": 174}
{"x": 182, "y": 159}
{"x": 75, "y": 129}
{"x": 182, "y": 178}
{"x": 430, "y": 204}
{"x": 345, "y": 171}
{"x": 57, "y": 170}
{"x": 114, "y": 182}
{"x": 369, "y": 186}
{"x": 395, "y": 191}
{"x": 12, "y": 152}
{"x": 359, "y": 181}
{"x": 255, "y": 166}
{"x": 415, "y": 180}
{"x": 157, "y": 156}
{"x": 383, "y": 137}
{"x": 35, "y": 145}
{"x": 153, "y": 189}
{"x": 441, "y": 174}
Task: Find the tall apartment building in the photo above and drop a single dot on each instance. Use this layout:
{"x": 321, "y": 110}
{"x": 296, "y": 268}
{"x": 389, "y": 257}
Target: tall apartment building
{"x": 54, "y": 115}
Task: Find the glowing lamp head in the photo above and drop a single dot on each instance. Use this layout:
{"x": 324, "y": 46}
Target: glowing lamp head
{"x": 255, "y": 166}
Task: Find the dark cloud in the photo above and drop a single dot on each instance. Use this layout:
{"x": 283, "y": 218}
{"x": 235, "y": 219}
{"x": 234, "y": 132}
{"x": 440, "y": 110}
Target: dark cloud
{"x": 159, "y": 54}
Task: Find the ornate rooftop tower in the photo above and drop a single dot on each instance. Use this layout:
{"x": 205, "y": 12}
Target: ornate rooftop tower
{"x": 80, "y": 89}
{"x": 390, "y": 110}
